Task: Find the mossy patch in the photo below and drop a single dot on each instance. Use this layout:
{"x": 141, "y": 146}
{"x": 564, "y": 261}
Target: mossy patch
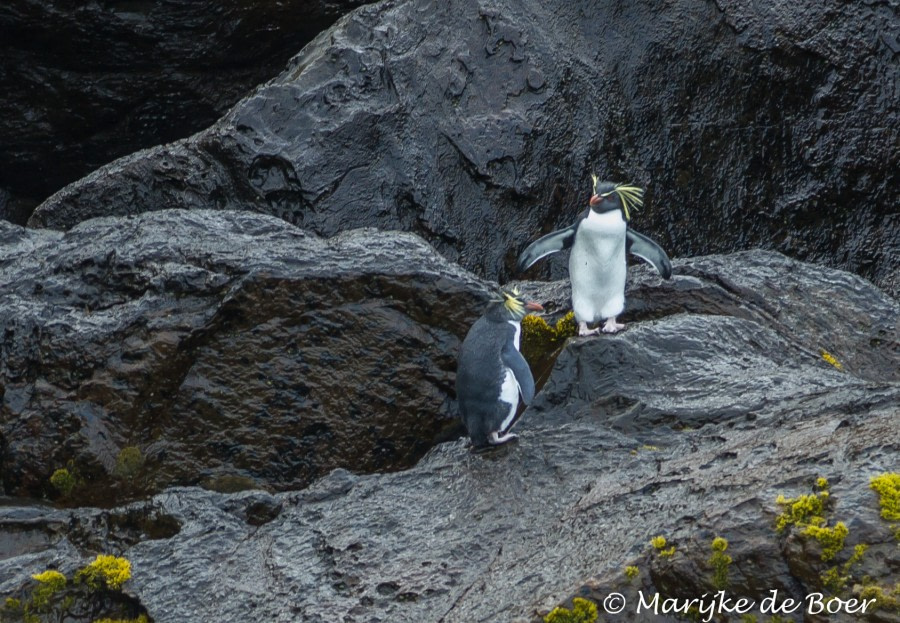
{"x": 631, "y": 572}
{"x": 807, "y": 514}
{"x": 831, "y": 539}
{"x": 583, "y": 611}
{"x": 659, "y": 544}
{"x": 720, "y": 562}
{"x": 886, "y": 599}
{"x": 129, "y": 462}
{"x": 540, "y": 340}
{"x": 803, "y": 510}
{"x": 63, "y": 481}
{"x": 829, "y": 358}
{"x": 887, "y": 486}
{"x": 836, "y": 578}
{"x": 93, "y": 592}
{"x": 106, "y": 571}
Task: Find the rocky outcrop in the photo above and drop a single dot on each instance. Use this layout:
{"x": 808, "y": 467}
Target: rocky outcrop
{"x": 85, "y": 83}
{"x": 689, "y": 424}
{"x": 478, "y": 127}
{"x": 232, "y": 350}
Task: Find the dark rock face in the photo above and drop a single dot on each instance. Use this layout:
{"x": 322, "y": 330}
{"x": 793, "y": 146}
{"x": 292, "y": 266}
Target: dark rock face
{"x": 689, "y": 424}
{"x": 229, "y": 348}
{"x": 478, "y": 127}
{"x": 85, "y": 83}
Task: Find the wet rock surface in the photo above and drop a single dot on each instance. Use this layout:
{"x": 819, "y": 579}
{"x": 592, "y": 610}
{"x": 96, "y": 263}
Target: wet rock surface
{"x": 688, "y": 424}
{"x": 85, "y": 83}
{"x": 477, "y": 126}
{"x": 231, "y": 350}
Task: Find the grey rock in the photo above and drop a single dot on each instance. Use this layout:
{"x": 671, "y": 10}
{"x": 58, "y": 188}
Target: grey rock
{"x": 232, "y": 349}
{"x": 689, "y": 425}
{"x": 477, "y": 125}
{"x": 85, "y": 83}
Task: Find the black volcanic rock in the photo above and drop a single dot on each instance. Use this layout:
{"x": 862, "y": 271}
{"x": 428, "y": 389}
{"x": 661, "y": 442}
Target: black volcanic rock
{"x": 752, "y": 125}
{"x": 85, "y": 83}
{"x": 229, "y": 348}
{"x": 689, "y": 424}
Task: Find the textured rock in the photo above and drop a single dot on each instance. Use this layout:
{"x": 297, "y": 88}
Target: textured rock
{"x": 85, "y": 83}
{"x": 477, "y": 125}
{"x": 713, "y": 414}
{"x": 229, "y": 348}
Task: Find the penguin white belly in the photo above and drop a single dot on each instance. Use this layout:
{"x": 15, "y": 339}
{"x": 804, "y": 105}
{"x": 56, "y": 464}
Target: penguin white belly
{"x": 597, "y": 267}
{"x": 509, "y": 393}
{"x": 509, "y": 390}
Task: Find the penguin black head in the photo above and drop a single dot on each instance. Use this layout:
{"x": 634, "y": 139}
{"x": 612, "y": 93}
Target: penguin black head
{"x": 609, "y": 196}
{"x": 510, "y": 307}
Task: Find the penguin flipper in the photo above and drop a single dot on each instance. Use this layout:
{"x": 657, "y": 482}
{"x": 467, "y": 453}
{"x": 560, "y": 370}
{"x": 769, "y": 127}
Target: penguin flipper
{"x": 649, "y": 251}
{"x": 544, "y": 246}
{"x": 514, "y": 360}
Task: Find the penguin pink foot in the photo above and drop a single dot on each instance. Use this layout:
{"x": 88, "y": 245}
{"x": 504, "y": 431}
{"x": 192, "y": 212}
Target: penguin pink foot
{"x": 584, "y": 331}
{"x": 612, "y": 326}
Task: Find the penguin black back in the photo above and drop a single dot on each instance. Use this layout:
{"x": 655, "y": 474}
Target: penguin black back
{"x": 491, "y": 372}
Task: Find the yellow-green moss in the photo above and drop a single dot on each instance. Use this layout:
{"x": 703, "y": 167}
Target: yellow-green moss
{"x": 659, "y": 544}
{"x": 94, "y": 588}
{"x": 885, "y": 599}
{"x": 63, "y": 481}
{"x": 748, "y": 618}
{"x": 822, "y": 483}
{"x": 720, "y": 561}
{"x": 887, "y": 486}
{"x": 51, "y": 577}
{"x": 802, "y": 510}
{"x": 105, "y": 570}
{"x": 631, "y": 572}
{"x": 583, "y": 611}
{"x": 831, "y": 539}
{"x": 129, "y": 462}
{"x": 836, "y": 578}
{"x": 539, "y": 339}
{"x": 49, "y": 584}
{"x": 830, "y": 359}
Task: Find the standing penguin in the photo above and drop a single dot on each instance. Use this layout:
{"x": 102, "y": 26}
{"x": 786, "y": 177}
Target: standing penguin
{"x": 599, "y": 240}
{"x": 491, "y": 372}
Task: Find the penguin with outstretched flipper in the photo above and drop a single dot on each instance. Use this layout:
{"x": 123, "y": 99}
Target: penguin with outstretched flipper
{"x": 599, "y": 240}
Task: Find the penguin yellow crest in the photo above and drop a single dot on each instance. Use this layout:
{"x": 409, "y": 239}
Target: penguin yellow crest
{"x": 632, "y": 197}
{"x": 513, "y": 303}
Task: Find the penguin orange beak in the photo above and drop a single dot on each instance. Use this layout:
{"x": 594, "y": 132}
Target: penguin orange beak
{"x": 532, "y": 306}
{"x": 596, "y": 199}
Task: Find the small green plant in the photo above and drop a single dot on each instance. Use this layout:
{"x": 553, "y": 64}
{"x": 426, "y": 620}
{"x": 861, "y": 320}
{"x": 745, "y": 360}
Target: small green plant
{"x": 63, "y": 481}
{"x": 887, "y": 486}
{"x": 539, "y": 339}
{"x": 659, "y": 544}
{"x": 583, "y": 611}
{"x": 802, "y": 510}
{"x": 109, "y": 571}
{"x": 129, "y": 462}
{"x": 720, "y": 561}
{"x": 886, "y": 599}
{"x": 831, "y": 539}
{"x": 807, "y": 514}
{"x": 631, "y": 572}
{"x": 836, "y": 578}
{"x": 828, "y": 357}
{"x": 94, "y": 590}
